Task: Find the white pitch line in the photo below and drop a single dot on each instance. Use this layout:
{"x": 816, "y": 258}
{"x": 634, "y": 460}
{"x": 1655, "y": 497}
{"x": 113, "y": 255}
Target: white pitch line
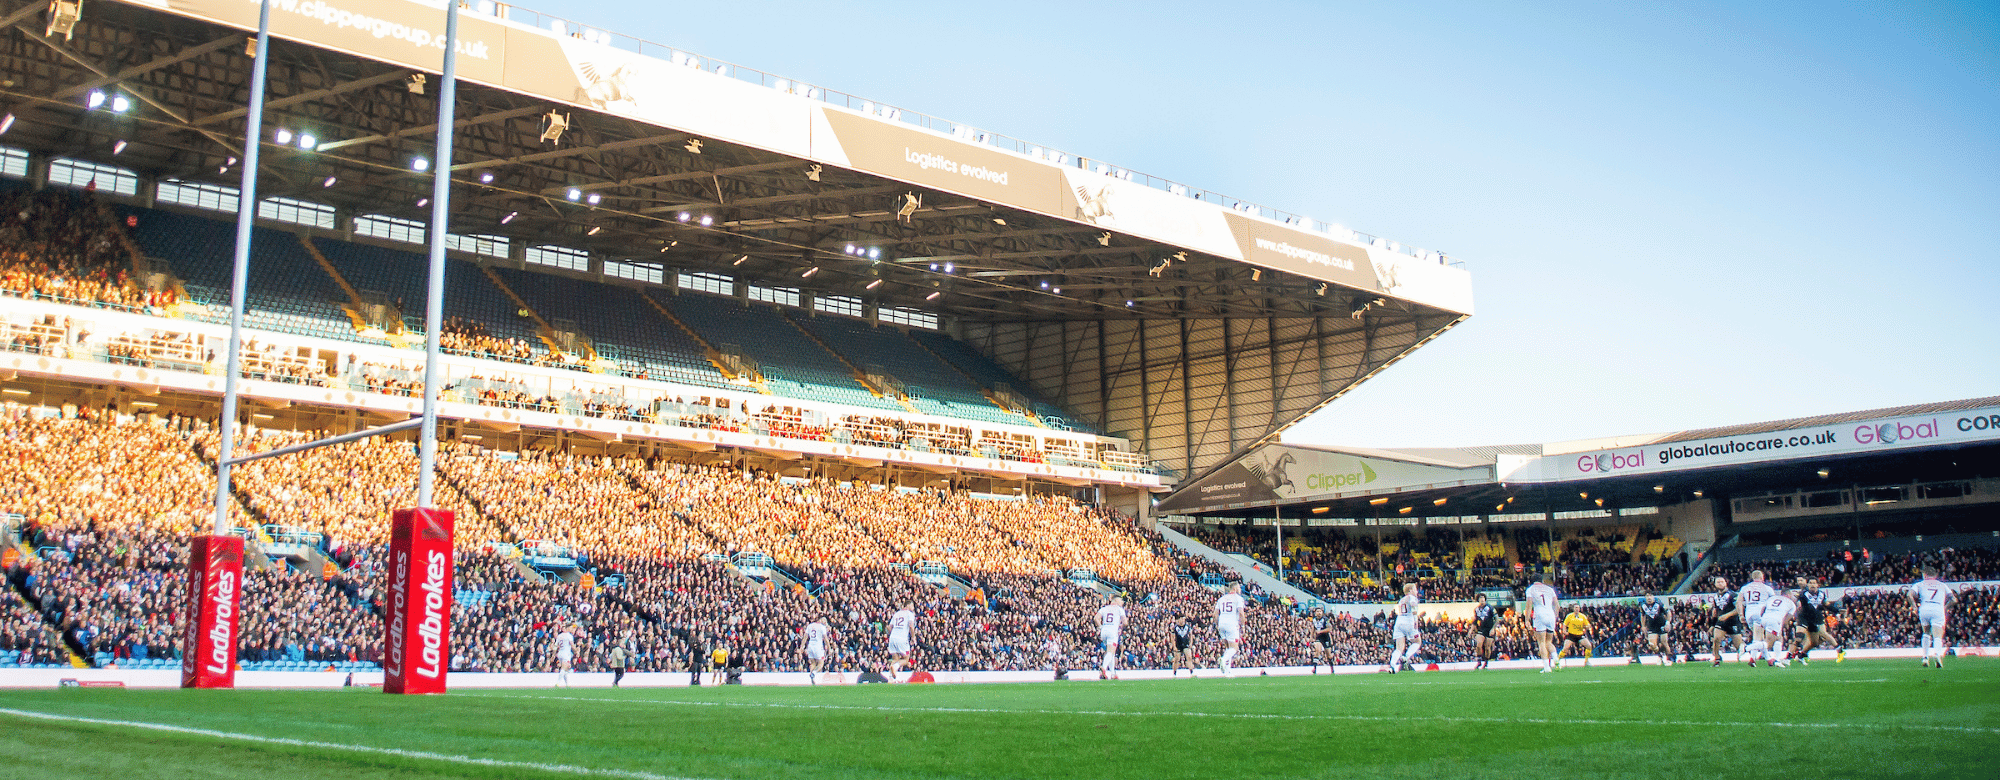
{"x": 1275, "y": 716}
{"x": 565, "y": 769}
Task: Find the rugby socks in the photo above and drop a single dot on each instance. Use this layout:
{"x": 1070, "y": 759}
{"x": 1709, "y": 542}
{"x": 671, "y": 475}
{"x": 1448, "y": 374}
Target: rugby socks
{"x": 1227, "y": 657}
{"x": 1411, "y": 654}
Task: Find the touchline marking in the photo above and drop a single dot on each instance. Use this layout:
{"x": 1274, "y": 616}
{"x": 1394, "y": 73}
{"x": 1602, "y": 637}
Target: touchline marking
{"x": 1274, "y": 716}
{"x": 565, "y": 769}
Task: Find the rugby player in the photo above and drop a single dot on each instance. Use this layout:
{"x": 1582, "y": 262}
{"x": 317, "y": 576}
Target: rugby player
{"x": 1814, "y": 607}
{"x": 1229, "y": 624}
{"x": 1183, "y": 646}
{"x": 1110, "y": 621}
{"x": 1753, "y": 597}
{"x": 1542, "y": 619}
{"x": 1322, "y": 639}
{"x": 1408, "y": 636}
{"x": 1576, "y": 634}
{"x": 1654, "y": 617}
{"x": 1483, "y": 618}
{"x": 1728, "y": 621}
{"x": 1930, "y": 596}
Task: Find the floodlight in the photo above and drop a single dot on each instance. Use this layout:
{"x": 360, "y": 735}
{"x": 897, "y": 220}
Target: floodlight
{"x": 419, "y": 164}
{"x": 329, "y": 181}
{"x": 118, "y": 147}
{"x": 809, "y": 272}
{"x": 933, "y": 296}
{"x": 415, "y": 83}
{"x": 739, "y": 260}
{"x": 1104, "y": 239}
{"x": 1057, "y": 291}
{"x": 95, "y": 99}
{"x": 594, "y": 230}
{"x": 282, "y": 136}
{"x": 422, "y": 202}
{"x": 874, "y": 284}
{"x": 812, "y": 174}
{"x": 553, "y": 125}
{"x": 693, "y": 146}
{"x": 308, "y": 141}
{"x": 594, "y": 199}
{"x": 486, "y": 177}
{"x": 684, "y": 216}
{"x": 510, "y": 217}
{"x": 574, "y": 194}
{"x": 948, "y": 267}
{"x": 1256, "y": 274}
{"x": 707, "y": 220}
{"x": 119, "y": 104}
{"x": 874, "y": 254}
{"x": 7, "y": 123}
{"x": 910, "y": 202}
{"x": 63, "y": 16}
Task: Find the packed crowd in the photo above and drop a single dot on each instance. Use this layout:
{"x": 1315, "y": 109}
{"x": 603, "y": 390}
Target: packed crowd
{"x": 1864, "y": 566}
{"x": 473, "y": 339}
{"x": 64, "y": 246}
{"x": 849, "y": 554}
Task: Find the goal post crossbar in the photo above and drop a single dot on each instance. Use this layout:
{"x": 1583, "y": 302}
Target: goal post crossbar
{"x": 414, "y": 422}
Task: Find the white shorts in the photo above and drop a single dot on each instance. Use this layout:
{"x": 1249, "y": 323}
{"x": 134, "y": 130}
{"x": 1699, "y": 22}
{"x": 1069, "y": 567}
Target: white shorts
{"x": 1544, "y": 622}
{"x": 1774, "y": 626}
{"x": 1407, "y": 630}
{"x": 1930, "y": 617}
{"x": 1753, "y": 617}
{"x": 1108, "y": 638}
{"x": 564, "y": 658}
{"x": 816, "y": 652}
{"x": 899, "y": 645}
{"x": 1229, "y": 632}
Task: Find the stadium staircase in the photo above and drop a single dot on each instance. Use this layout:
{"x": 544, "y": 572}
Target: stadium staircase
{"x": 543, "y": 329}
{"x": 708, "y": 351}
{"x": 1249, "y": 573}
{"x": 860, "y": 377}
{"x": 1700, "y": 567}
{"x": 355, "y": 304}
{"x": 984, "y": 391}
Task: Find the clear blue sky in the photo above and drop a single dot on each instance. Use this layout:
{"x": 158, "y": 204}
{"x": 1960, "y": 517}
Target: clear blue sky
{"x": 1677, "y": 214}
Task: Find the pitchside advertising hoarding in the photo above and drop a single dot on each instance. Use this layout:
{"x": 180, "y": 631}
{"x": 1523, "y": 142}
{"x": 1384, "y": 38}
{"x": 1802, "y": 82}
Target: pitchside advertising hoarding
{"x": 587, "y": 74}
{"x": 1284, "y": 474}
{"x": 1851, "y": 438}
{"x": 215, "y": 579}
{"x": 416, "y": 653}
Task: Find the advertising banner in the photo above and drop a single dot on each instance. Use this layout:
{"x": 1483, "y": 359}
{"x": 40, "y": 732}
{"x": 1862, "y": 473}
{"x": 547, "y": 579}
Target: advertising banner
{"x": 1849, "y": 438}
{"x": 416, "y": 653}
{"x": 1286, "y": 474}
{"x": 215, "y": 610}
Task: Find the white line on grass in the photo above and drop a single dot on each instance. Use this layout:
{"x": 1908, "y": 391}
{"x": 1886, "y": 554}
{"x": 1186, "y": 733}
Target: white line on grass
{"x": 1275, "y": 716}
{"x": 564, "y": 769}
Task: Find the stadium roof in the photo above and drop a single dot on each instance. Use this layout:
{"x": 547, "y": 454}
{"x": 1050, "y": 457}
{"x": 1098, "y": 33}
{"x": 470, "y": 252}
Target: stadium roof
{"x": 1455, "y": 482}
{"x": 1196, "y": 345}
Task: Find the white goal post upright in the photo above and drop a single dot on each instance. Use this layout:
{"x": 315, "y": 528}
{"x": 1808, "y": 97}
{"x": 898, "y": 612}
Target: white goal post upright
{"x": 413, "y": 628}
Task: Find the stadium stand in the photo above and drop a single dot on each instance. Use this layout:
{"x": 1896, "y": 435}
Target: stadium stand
{"x": 656, "y": 556}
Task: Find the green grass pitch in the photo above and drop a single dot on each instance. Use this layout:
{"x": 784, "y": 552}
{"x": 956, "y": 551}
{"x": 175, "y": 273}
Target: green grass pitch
{"x": 1852, "y": 720}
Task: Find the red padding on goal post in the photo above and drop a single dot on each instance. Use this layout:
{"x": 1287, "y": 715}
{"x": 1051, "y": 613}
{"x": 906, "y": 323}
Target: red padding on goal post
{"x": 416, "y": 651}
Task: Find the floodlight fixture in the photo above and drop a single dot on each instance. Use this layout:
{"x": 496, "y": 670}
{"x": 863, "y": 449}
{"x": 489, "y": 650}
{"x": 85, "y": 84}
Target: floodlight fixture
{"x": 693, "y": 146}
{"x": 948, "y": 267}
{"x": 422, "y": 202}
{"x": 670, "y": 245}
{"x": 63, "y": 16}
{"x": 874, "y": 284}
{"x": 419, "y": 164}
{"x": 120, "y": 104}
{"x": 282, "y": 136}
{"x": 574, "y": 194}
{"x": 510, "y": 217}
{"x": 809, "y": 272}
{"x": 119, "y": 147}
{"x": 308, "y": 141}
{"x": 934, "y": 295}
{"x": 7, "y": 123}
{"x": 95, "y": 99}
{"x": 594, "y": 230}
{"x": 553, "y": 126}
{"x": 706, "y": 220}
{"x": 813, "y": 173}
{"x": 1057, "y": 290}
{"x": 684, "y": 216}
{"x": 1256, "y": 274}
{"x": 874, "y": 253}
{"x": 486, "y": 177}
{"x": 910, "y": 202}
{"x": 593, "y": 199}
{"x": 415, "y": 83}
{"x": 739, "y": 260}
{"x": 330, "y": 180}
{"x": 1104, "y": 239}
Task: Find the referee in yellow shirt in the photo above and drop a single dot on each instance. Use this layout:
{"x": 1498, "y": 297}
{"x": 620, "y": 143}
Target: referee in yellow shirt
{"x": 1576, "y": 634}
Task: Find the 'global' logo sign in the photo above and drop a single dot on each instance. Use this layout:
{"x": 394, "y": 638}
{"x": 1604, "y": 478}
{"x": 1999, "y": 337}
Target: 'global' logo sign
{"x": 1610, "y": 461}
{"x": 1891, "y": 433}
{"x": 1342, "y": 480}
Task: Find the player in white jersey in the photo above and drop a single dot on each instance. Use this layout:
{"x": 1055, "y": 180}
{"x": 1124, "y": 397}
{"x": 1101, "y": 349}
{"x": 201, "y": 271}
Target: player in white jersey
{"x": 1776, "y": 619}
{"x": 1542, "y": 619}
{"x": 1110, "y": 620}
{"x": 1408, "y": 638}
{"x": 815, "y": 635}
{"x": 1229, "y": 624}
{"x": 1930, "y": 596}
{"x": 565, "y": 656}
{"x": 1752, "y": 598}
{"x": 901, "y": 625}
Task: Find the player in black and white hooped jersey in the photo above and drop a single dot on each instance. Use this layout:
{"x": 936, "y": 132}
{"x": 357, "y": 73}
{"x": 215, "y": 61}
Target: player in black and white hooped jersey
{"x": 1322, "y": 639}
{"x": 1484, "y": 618}
{"x": 1815, "y": 606}
{"x": 1110, "y": 622}
{"x": 1930, "y": 596}
{"x": 1183, "y": 646}
{"x": 1655, "y": 619}
{"x": 1752, "y": 598}
{"x": 1727, "y": 625}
